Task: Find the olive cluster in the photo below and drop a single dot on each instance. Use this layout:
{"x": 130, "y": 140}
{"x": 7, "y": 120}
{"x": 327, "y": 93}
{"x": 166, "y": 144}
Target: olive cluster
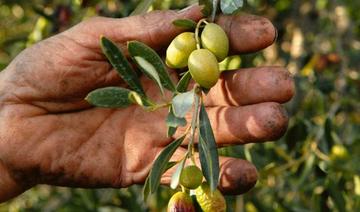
{"x": 191, "y": 178}
{"x": 203, "y": 62}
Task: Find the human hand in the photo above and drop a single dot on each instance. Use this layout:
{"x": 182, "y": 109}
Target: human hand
{"x": 50, "y": 135}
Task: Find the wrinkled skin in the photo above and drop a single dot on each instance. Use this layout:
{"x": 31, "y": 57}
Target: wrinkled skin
{"x": 50, "y": 135}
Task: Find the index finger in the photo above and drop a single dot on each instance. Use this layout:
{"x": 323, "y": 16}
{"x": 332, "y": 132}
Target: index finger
{"x": 247, "y": 33}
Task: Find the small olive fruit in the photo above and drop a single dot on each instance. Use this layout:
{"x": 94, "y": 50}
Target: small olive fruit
{"x": 214, "y": 38}
{"x": 204, "y": 68}
{"x": 210, "y": 201}
{"x": 180, "y": 202}
{"x": 191, "y": 177}
{"x": 230, "y": 63}
{"x": 180, "y": 48}
{"x": 339, "y": 152}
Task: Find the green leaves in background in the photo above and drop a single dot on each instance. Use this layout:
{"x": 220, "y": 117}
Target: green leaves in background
{"x": 185, "y": 23}
{"x": 122, "y": 66}
{"x": 140, "y": 49}
{"x": 229, "y": 7}
{"x": 209, "y": 158}
{"x": 182, "y": 103}
{"x": 160, "y": 166}
{"x": 110, "y": 97}
{"x": 142, "y": 7}
{"x": 183, "y": 83}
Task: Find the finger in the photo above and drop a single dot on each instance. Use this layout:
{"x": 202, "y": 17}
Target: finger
{"x": 154, "y": 28}
{"x": 236, "y": 176}
{"x": 247, "y": 124}
{"x": 252, "y": 86}
{"x": 248, "y": 33}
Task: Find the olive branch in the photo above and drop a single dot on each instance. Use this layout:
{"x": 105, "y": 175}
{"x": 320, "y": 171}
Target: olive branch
{"x": 182, "y": 102}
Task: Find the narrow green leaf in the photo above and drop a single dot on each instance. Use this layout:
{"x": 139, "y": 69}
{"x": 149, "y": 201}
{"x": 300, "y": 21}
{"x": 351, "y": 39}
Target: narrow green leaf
{"x": 182, "y": 103}
{"x": 149, "y": 70}
{"x": 207, "y": 7}
{"x": 170, "y": 164}
{"x": 136, "y": 98}
{"x": 209, "y": 157}
{"x": 146, "y": 187}
{"x": 173, "y": 121}
{"x": 109, "y": 97}
{"x": 215, "y": 4}
{"x": 183, "y": 83}
{"x": 160, "y": 164}
{"x": 175, "y": 178}
{"x": 122, "y": 66}
{"x": 140, "y": 49}
{"x": 171, "y": 131}
{"x": 229, "y": 7}
{"x": 185, "y": 23}
{"x": 142, "y": 7}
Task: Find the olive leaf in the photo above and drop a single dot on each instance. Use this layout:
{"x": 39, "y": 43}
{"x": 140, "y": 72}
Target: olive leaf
{"x": 142, "y": 7}
{"x": 171, "y": 131}
{"x": 215, "y": 4}
{"x": 182, "y": 103}
{"x": 170, "y": 164}
{"x": 149, "y": 70}
{"x": 173, "y": 121}
{"x": 146, "y": 188}
{"x": 160, "y": 164}
{"x": 136, "y": 98}
{"x": 140, "y": 49}
{"x": 229, "y": 7}
{"x": 183, "y": 83}
{"x": 185, "y": 23}
{"x": 209, "y": 158}
{"x": 109, "y": 97}
{"x": 121, "y": 65}
{"x": 175, "y": 178}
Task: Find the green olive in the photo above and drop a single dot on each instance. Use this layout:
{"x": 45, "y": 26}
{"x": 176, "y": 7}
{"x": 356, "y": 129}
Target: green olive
{"x": 204, "y": 68}
{"x": 191, "y": 177}
{"x": 215, "y": 39}
{"x": 180, "y": 48}
{"x": 230, "y": 63}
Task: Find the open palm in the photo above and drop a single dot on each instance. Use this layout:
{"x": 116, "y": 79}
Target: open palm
{"x": 50, "y": 135}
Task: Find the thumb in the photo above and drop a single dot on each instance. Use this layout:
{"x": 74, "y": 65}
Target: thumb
{"x": 154, "y": 28}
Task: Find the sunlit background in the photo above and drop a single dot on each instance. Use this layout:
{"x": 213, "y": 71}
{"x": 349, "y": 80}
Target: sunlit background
{"x": 314, "y": 167}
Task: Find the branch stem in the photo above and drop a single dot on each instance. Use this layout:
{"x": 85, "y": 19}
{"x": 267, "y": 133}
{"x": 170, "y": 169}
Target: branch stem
{"x": 198, "y": 25}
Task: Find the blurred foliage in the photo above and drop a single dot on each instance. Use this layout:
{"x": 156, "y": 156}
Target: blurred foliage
{"x": 314, "y": 167}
